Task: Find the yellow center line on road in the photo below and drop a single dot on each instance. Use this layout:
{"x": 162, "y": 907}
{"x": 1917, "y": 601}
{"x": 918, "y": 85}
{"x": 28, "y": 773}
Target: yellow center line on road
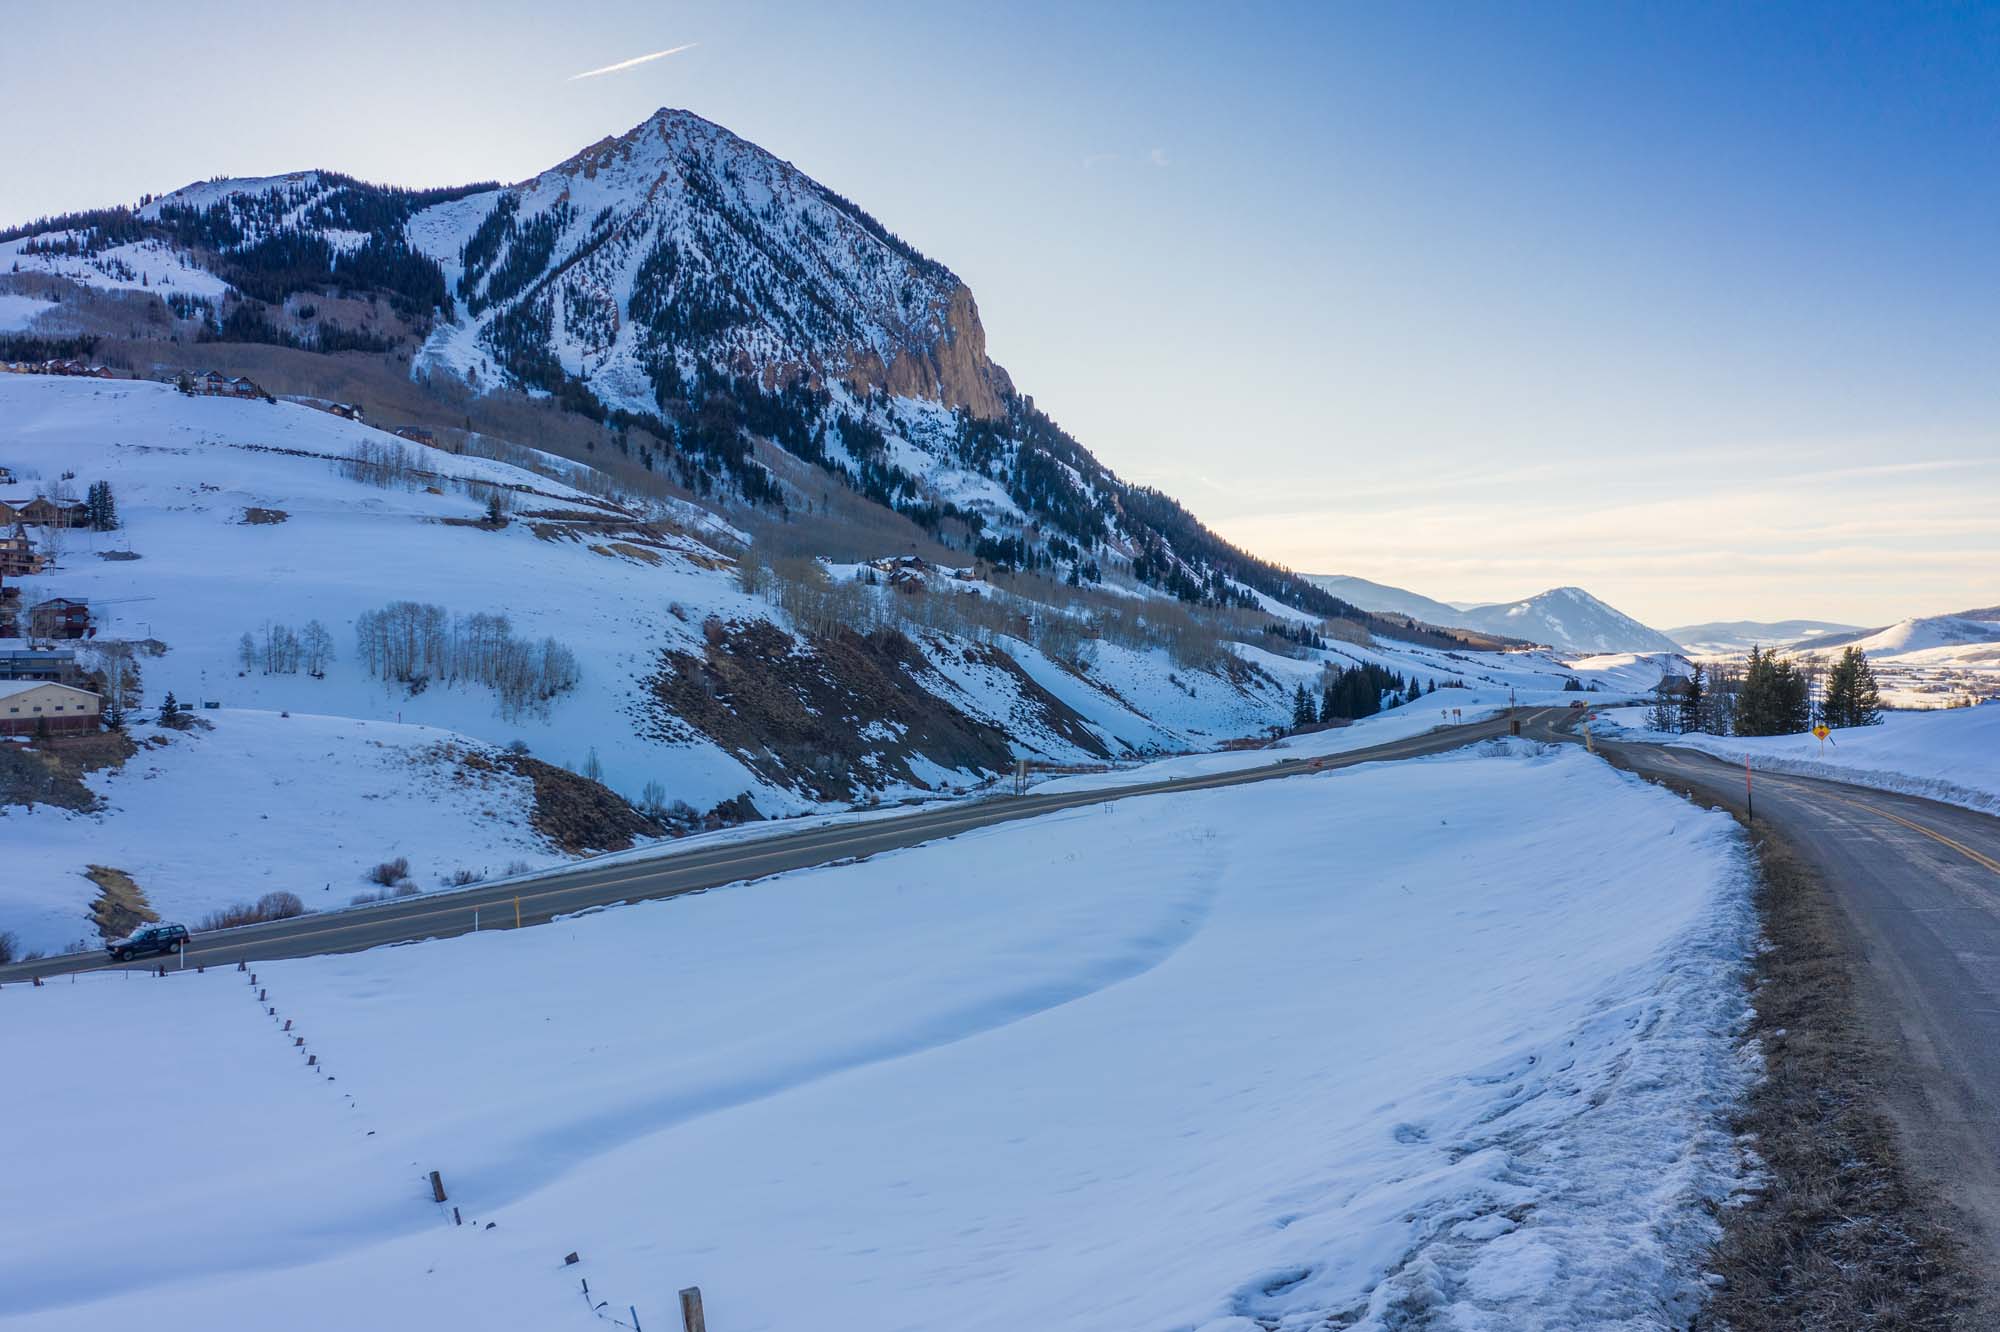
{"x": 1975, "y": 856}
{"x": 1797, "y": 789}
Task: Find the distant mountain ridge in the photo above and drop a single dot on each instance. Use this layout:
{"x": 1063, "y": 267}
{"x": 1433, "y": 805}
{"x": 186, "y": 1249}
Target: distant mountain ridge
{"x": 1568, "y": 619}
{"x": 1395, "y": 600}
{"x": 1718, "y": 638}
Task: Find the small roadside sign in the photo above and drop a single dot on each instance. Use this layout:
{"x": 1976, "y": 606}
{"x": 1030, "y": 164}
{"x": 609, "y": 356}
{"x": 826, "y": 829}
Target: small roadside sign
{"x": 1820, "y": 733}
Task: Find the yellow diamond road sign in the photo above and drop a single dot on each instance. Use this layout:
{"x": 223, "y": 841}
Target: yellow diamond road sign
{"x": 1821, "y": 732}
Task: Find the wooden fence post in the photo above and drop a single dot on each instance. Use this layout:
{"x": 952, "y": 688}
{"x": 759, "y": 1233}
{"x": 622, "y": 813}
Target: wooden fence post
{"x": 437, "y": 1187}
{"x": 691, "y": 1316}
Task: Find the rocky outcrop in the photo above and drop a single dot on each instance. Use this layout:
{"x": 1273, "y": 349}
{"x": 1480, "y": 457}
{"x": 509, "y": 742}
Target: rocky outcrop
{"x": 951, "y": 368}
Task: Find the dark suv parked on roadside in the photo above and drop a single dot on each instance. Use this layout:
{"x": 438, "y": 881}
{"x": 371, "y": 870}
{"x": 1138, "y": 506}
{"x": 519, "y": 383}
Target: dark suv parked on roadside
{"x": 161, "y": 938}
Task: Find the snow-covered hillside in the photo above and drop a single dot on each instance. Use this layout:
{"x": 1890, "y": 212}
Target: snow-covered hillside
{"x": 274, "y": 521}
{"x": 1929, "y": 661}
{"x": 1109, "y": 1069}
{"x": 1924, "y": 634}
{"x": 1397, "y": 600}
{"x": 246, "y": 802}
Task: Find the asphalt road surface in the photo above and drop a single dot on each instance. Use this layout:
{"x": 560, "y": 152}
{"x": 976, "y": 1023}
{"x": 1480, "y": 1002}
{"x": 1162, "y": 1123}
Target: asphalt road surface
{"x": 1917, "y": 884}
{"x": 563, "y": 892}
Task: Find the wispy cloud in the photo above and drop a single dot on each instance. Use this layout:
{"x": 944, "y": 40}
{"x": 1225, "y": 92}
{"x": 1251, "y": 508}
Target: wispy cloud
{"x": 635, "y": 60}
{"x": 1158, "y": 157}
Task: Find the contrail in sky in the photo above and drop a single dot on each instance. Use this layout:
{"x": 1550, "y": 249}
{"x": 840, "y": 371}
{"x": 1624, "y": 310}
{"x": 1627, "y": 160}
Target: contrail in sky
{"x": 635, "y": 60}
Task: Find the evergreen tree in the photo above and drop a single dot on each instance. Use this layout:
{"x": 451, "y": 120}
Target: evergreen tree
{"x": 1302, "y": 708}
{"x": 1690, "y": 719}
{"x": 1665, "y": 714}
{"x": 1773, "y": 699}
{"x": 100, "y": 510}
{"x": 1852, "y": 696}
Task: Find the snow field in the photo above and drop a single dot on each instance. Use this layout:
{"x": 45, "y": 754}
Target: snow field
{"x": 17, "y": 313}
{"x": 205, "y": 818}
{"x": 1403, "y": 1038}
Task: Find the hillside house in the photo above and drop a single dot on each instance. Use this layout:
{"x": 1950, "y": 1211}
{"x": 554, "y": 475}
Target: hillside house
{"x": 79, "y": 368}
{"x": 59, "y": 617}
{"x": 28, "y": 706}
{"x": 416, "y": 435}
{"x": 18, "y": 557}
{"x": 345, "y": 410}
{"x": 21, "y": 660}
{"x": 41, "y": 511}
{"x": 215, "y": 384}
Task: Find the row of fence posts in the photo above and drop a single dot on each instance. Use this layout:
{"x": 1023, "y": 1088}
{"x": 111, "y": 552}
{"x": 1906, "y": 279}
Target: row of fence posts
{"x": 692, "y": 1317}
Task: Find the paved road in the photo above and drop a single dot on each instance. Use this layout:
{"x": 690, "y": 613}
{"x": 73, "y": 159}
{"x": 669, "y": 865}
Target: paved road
{"x": 690, "y": 870}
{"x": 1918, "y": 886}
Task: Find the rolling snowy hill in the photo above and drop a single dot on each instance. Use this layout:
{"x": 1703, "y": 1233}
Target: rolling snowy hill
{"x": 1395, "y": 600}
{"x": 1920, "y": 634}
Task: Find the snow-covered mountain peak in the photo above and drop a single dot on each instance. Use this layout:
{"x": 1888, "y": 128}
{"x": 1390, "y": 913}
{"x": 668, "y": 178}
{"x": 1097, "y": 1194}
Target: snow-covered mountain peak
{"x": 1566, "y": 618}
{"x": 1572, "y": 620}
{"x": 655, "y": 142}
{"x": 678, "y": 250}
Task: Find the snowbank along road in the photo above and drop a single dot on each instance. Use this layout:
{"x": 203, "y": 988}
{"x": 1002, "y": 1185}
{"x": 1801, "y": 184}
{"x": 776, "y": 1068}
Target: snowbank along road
{"x": 548, "y": 896}
{"x": 1917, "y": 884}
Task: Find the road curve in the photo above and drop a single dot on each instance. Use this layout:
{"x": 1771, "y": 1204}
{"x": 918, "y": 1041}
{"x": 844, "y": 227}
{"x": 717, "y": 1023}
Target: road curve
{"x": 563, "y": 892}
{"x": 1917, "y": 884}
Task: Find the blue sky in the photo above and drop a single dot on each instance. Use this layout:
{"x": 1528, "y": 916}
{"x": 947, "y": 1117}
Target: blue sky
{"x": 1695, "y": 306}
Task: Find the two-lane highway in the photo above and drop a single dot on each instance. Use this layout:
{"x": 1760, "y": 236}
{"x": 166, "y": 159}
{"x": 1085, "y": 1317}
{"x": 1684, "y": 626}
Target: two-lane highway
{"x": 1917, "y": 887}
{"x": 692, "y": 869}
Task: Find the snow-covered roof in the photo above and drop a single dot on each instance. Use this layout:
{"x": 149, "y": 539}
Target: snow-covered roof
{"x": 9, "y": 688}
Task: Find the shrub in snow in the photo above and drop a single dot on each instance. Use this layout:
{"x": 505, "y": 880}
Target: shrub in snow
{"x": 391, "y": 872}
{"x": 271, "y": 906}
